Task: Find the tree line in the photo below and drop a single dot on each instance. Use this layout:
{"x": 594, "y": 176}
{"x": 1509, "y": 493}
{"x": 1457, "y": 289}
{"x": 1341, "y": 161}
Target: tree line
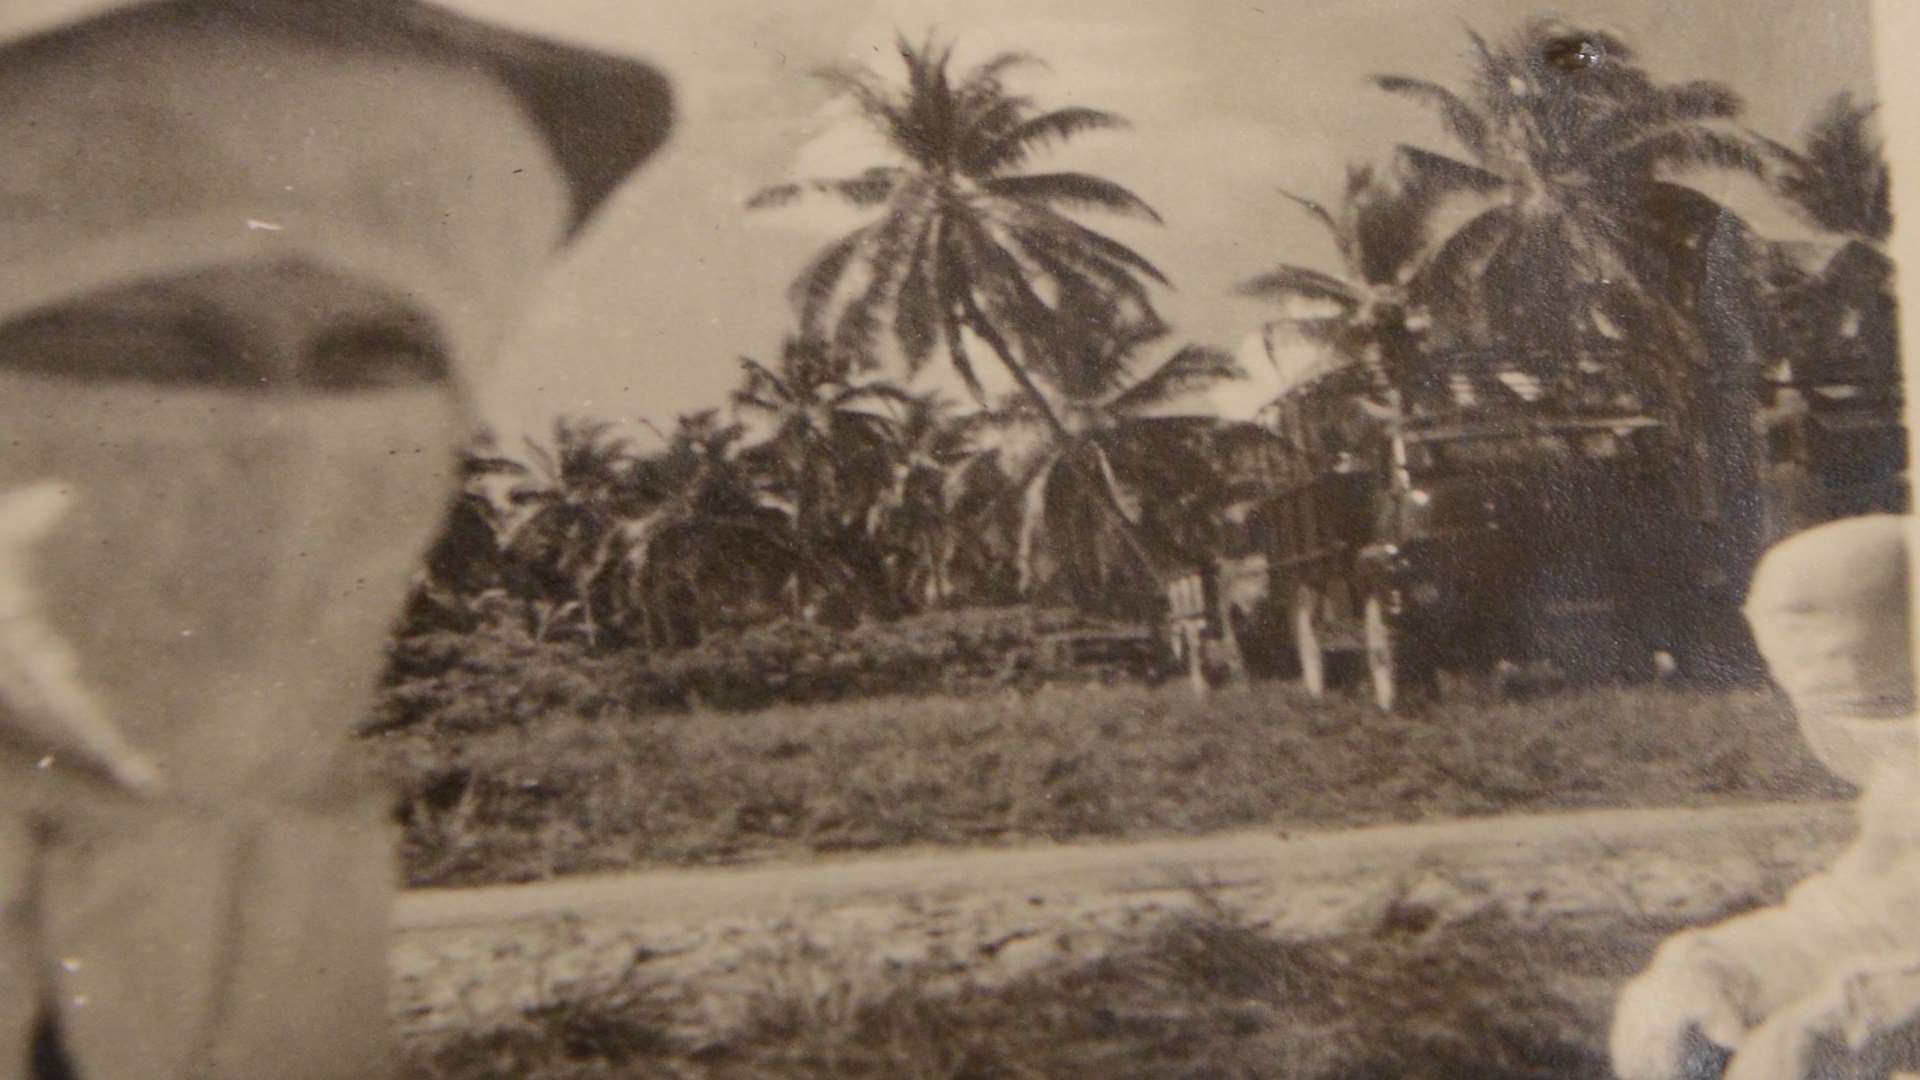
{"x": 1558, "y": 224}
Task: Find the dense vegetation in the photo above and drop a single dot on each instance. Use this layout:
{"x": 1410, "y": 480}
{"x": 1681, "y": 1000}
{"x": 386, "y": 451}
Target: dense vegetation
{"x": 773, "y": 634}
{"x": 1559, "y": 224}
{"x": 593, "y": 606}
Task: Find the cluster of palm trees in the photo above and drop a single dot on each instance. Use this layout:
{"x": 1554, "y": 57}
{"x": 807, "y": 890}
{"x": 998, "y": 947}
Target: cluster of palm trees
{"x": 1560, "y": 225}
{"x": 1567, "y": 226}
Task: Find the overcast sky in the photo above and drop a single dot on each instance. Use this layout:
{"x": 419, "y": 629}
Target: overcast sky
{"x": 1229, "y": 101}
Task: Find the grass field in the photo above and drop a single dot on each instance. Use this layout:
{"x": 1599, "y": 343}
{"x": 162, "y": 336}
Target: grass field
{"x": 539, "y": 799}
{"x": 1206, "y": 996}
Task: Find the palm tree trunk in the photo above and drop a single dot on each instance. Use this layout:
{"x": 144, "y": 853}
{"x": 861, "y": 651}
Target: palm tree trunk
{"x": 587, "y": 625}
{"x": 976, "y": 320}
{"x": 973, "y": 317}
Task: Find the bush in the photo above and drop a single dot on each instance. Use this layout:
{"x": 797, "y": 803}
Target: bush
{"x": 498, "y": 675}
{"x": 797, "y": 663}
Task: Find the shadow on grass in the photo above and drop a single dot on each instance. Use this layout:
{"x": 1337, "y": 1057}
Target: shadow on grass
{"x": 1205, "y": 996}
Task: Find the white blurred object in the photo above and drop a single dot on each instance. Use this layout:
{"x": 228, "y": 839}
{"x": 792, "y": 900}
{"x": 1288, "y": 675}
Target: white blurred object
{"x": 1896, "y": 25}
{"x": 43, "y": 702}
{"x": 1829, "y": 611}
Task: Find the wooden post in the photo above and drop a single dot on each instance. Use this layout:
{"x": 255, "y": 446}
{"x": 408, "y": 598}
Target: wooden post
{"x": 1196, "y": 661}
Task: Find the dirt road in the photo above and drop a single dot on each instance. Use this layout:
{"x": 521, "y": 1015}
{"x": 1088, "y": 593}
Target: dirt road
{"x": 480, "y": 956}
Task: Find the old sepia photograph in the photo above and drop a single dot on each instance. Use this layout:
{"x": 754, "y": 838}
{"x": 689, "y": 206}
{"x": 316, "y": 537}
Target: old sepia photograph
{"x": 903, "y": 540}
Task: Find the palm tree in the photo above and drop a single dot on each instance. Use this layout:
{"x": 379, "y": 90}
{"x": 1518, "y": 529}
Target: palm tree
{"x": 571, "y": 505}
{"x": 964, "y": 241}
{"x": 1085, "y": 478}
{"x": 1379, "y": 230}
{"x": 1842, "y": 314}
{"x": 920, "y": 517}
{"x": 826, "y": 454}
{"x": 1841, "y": 181}
{"x": 1580, "y": 250}
{"x": 468, "y": 559}
{"x": 1574, "y": 226}
{"x": 705, "y": 544}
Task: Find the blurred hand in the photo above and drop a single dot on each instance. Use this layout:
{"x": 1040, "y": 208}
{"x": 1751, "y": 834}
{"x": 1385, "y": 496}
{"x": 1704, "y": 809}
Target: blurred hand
{"x": 1791, "y": 1043}
{"x": 1680, "y": 1019}
{"x": 1865, "y": 1023}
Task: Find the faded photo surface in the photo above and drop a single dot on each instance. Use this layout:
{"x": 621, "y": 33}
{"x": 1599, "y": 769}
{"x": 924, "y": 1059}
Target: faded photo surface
{"x": 878, "y": 538}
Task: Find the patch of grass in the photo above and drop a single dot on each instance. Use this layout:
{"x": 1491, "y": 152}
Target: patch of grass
{"x": 581, "y": 790}
{"x": 1205, "y": 996}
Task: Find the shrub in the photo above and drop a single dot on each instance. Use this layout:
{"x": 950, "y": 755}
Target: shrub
{"x": 495, "y": 675}
{"x": 799, "y": 663}
{"x": 498, "y": 675}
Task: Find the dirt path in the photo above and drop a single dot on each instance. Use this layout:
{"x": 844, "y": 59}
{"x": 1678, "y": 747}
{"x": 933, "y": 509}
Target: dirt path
{"x": 479, "y": 956}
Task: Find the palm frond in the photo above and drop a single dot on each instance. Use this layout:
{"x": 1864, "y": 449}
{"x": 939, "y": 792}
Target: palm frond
{"x": 987, "y": 121}
{"x": 1070, "y": 277}
{"x": 961, "y": 362}
{"x": 1194, "y": 367}
{"x": 865, "y": 190}
{"x": 1318, "y": 211}
{"x": 1458, "y": 259}
{"x": 475, "y": 465}
{"x": 1071, "y": 235}
{"x": 856, "y": 333}
{"x": 1116, "y": 493}
{"x": 775, "y": 196}
{"x": 1073, "y": 190}
{"x": 874, "y": 391}
{"x": 763, "y": 391}
{"x": 544, "y": 460}
{"x": 916, "y": 306}
{"x": 1693, "y": 106}
{"x": 1006, "y": 292}
{"x": 868, "y": 95}
{"x": 813, "y": 290}
{"x": 986, "y": 81}
{"x": 1071, "y": 263}
{"x": 1301, "y": 282}
{"x": 1786, "y": 155}
{"x": 1016, "y": 146}
{"x": 1684, "y": 148}
{"x": 1841, "y": 181}
{"x": 1460, "y": 119}
{"x": 888, "y": 257}
{"x": 1440, "y": 173}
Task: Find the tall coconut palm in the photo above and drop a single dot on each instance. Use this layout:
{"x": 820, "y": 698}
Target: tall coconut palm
{"x": 964, "y": 243}
{"x": 1840, "y": 314}
{"x": 826, "y": 453}
{"x": 1379, "y": 230}
{"x": 1581, "y": 250}
{"x": 1085, "y": 478}
{"x": 1567, "y": 172}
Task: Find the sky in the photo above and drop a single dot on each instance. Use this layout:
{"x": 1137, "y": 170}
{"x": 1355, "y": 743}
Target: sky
{"x": 1230, "y": 100}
